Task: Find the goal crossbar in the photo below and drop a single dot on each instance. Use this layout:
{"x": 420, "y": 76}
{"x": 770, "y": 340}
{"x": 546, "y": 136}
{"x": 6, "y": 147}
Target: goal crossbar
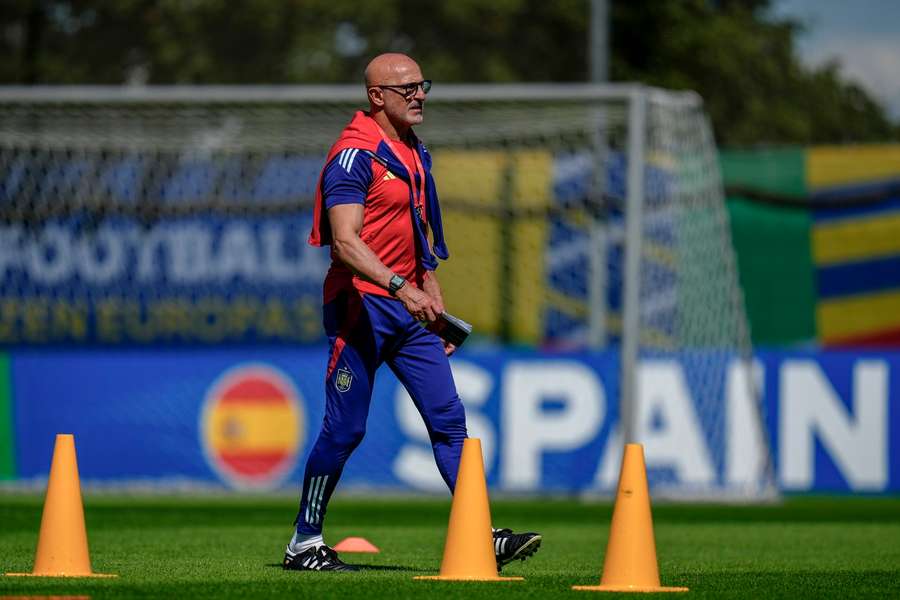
{"x": 274, "y": 94}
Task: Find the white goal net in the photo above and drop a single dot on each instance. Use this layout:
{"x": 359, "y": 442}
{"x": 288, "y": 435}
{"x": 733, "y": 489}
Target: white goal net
{"x": 577, "y": 216}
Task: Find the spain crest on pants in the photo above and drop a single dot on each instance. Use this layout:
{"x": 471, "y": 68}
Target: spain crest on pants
{"x": 343, "y": 379}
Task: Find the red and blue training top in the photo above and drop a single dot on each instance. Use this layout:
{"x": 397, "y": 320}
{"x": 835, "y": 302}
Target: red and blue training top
{"x": 393, "y": 181}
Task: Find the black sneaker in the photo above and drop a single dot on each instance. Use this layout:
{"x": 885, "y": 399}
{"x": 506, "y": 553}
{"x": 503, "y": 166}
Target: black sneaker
{"x": 320, "y": 558}
{"x": 509, "y": 546}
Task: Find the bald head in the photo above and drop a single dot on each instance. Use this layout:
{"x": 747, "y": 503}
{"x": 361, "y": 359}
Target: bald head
{"x": 396, "y": 93}
{"x": 390, "y": 68}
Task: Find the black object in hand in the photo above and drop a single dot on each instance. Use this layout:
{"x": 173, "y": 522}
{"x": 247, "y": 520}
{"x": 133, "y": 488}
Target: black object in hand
{"x": 451, "y": 329}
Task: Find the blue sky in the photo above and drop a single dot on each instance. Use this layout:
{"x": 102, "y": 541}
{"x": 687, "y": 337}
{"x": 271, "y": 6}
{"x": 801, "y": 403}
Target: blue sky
{"x": 863, "y": 35}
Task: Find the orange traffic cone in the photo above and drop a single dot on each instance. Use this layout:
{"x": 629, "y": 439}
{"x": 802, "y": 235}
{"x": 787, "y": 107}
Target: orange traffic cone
{"x": 630, "y": 563}
{"x": 62, "y": 549}
{"x": 469, "y": 549}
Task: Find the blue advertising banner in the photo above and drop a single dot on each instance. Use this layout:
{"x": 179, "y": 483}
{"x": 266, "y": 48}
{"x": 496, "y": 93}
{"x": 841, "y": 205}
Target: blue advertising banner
{"x": 834, "y": 419}
{"x": 183, "y": 281}
{"x": 246, "y": 419}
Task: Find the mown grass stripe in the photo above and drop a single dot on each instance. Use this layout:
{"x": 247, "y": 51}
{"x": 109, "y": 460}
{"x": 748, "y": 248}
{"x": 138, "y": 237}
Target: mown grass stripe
{"x": 837, "y": 547}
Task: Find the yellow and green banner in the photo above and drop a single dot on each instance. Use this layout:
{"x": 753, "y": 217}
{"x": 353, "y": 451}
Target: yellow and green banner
{"x": 828, "y": 270}
{"x": 7, "y": 440}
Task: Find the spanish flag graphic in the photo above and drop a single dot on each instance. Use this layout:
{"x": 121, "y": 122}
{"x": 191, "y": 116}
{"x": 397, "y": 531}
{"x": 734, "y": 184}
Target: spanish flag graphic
{"x": 251, "y": 426}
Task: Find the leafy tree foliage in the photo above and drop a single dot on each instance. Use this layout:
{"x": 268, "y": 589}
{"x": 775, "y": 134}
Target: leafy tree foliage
{"x": 733, "y": 52}
{"x": 743, "y": 64}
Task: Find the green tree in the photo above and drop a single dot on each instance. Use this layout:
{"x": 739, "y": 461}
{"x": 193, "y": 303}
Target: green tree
{"x": 733, "y": 52}
{"x": 744, "y": 65}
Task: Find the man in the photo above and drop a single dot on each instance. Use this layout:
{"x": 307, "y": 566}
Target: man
{"x": 375, "y": 201}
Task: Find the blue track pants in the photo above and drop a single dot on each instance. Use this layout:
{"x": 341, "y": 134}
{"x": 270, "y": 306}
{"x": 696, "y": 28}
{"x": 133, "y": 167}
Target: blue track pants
{"x": 365, "y": 331}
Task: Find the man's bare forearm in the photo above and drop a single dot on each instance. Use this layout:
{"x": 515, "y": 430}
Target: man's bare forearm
{"x": 354, "y": 253}
{"x": 346, "y": 223}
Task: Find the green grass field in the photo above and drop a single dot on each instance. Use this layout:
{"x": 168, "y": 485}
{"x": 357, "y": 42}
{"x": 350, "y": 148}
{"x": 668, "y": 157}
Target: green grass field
{"x": 232, "y": 547}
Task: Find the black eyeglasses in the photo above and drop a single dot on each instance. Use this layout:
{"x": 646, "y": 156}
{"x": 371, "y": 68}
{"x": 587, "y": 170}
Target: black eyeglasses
{"x": 408, "y": 90}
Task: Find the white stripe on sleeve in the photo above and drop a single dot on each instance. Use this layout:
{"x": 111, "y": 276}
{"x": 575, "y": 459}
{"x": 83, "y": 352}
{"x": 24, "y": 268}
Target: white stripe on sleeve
{"x": 351, "y": 159}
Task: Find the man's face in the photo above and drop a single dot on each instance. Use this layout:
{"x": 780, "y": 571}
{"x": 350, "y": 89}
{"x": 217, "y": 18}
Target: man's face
{"x": 404, "y": 107}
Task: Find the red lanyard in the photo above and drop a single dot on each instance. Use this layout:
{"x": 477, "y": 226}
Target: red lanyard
{"x": 418, "y": 194}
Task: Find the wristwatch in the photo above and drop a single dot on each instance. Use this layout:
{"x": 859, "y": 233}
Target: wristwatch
{"x": 395, "y": 284}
